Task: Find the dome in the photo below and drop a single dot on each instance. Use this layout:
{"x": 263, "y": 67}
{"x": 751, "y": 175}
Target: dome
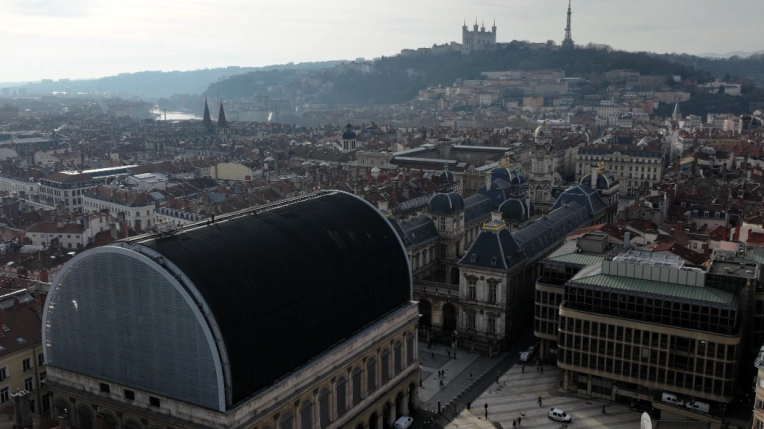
{"x": 516, "y": 210}
{"x": 543, "y": 130}
{"x": 446, "y": 202}
{"x": 446, "y": 178}
{"x": 220, "y": 301}
{"x": 349, "y": 134}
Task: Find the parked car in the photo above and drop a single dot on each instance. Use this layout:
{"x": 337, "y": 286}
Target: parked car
{"x": 698, "y": 406}
{"x": 559, "y": 415}
{"x": 671, "y": 399}
{"x": 403, "y": 422}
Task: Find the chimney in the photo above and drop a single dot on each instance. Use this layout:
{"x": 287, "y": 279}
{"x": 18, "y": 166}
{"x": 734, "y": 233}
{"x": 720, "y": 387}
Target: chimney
{"x": 113, "y": 228}
{"x": 673, "y": 231}
{"x": 138, "y": 226}
{"x": 627, "y": 240}
{"x": 679, "y": 226}
{"x": 41, "y": 298}
{"x": 496, "y": 216}
{"x": 594, "y": 176}
{"x": 59, "y": 224}
{"x": 383, "y": 205}
{"x": 22, "y": 414}
{"x": 124, "y": 229}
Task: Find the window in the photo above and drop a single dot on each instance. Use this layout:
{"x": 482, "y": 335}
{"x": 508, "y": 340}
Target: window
{"x": 29, "y": 384}
{"x": 492, "y": 292}
{"x": 491, "y": 323}
{"x": 129, "y": 395}
{"x": 26, "y": 364}
{"x": 442, "y": 223}
{"x": 4, "y": 396}
{"x": 41, "y": 359}
{"x": 323, "y": 408}
{"x": 153, "y": 401}
{"x": 105, "y": 388}
{"x": 357, "y": 392}
{"x": 3, "y": 373}
{"x": 472, "y": 291}
{"x": 341, "y": 394}
{"x": 471, "y": 316}
{"x": 410, "y": 349}
{"x": 286, "y": 421}
{"x": 306, "y": 414}
{"x": 371, "y": 375}
{"x": 43, "y": 376}
{"x": 397, "y": 358}
{"x": 385, "y": 365}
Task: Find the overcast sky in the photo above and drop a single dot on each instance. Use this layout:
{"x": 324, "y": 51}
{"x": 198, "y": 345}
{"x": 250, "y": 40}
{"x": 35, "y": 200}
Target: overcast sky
{"x": 93, "y": 38}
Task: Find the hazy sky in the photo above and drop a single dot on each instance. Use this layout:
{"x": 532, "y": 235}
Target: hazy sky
{"x": 94, "y": 38}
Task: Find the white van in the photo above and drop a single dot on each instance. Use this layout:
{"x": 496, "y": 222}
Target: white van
{"x": 403, "y": 422}
{"x": 698, "y": 406}
{"x": 524, "y": 356}
{"x": 559, "y": 415}
{"x": 671, "y": 399}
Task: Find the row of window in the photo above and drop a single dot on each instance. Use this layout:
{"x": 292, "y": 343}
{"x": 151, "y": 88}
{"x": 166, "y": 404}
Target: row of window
{"x": 491, "y": 321}
{"x": 492, "y": 291}
{"x": 347, "y": 392}
{"x": 654, "y": 340}
{"x": 668, "y": 376}
{"x": 28, "y": 386}
{"x": 26, "y": 365}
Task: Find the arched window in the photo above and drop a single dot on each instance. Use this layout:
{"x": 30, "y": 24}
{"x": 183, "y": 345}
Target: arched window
{"x": 62, "y": 407}
{"x": 385, "y": 366}
{"x": 85, "y": 417}
{"x": 371, "y": 375}
{"x": 491, "y": 323}
{"x": 357, "y": 392}
{"x": 397, "y": 361}
{"x": 323, "y": 408}
{"x": 286, "y": 421}
{"x": 111, "y": 422}
{"x": 341, "y": 397}
{"x": 409, "y": 349}
{"x": 306, "y": 414}
{"x": 132, "y": 424}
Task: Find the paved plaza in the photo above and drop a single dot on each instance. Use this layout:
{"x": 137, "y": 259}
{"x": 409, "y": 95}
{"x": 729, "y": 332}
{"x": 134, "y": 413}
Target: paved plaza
{"x": 516, "y": 395}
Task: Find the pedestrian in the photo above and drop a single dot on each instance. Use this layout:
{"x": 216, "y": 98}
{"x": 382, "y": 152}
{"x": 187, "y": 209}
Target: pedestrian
{"x": 470, "y": 376}
{"x": 519, "y": 421}
{"x": 539, "y": 401}
{"x": 603, "y": 410}
{"x": 449, "y": 353}
{"x": 468, "y": 405}
{"x": 523, "y": 369}
{"x": 514, "y": 423}
{"x": 441, "y": 383}
{"x": 486, "y": 410}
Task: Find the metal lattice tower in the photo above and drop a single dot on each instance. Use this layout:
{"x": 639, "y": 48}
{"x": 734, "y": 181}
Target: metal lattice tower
{"x": 568, "y": 42}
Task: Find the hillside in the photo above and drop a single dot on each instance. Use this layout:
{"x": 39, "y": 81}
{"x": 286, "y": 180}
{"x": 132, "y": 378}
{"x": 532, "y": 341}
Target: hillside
{"x": 398, "y": 79}
{"x": 751, "y": 67}
{"x": 152, "y": 85}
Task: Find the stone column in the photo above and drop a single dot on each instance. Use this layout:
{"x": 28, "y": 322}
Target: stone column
{"x": 333, "y": 400}
{"x": 379, "y": 418}
{"x": 316, "y": 410}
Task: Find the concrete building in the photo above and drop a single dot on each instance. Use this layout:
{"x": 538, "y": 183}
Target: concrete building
{"x": 65, "y": 188}
{"x": 222, "y": 331}
{"x": 137, "y": 208}
{"x": 636, "y": 166}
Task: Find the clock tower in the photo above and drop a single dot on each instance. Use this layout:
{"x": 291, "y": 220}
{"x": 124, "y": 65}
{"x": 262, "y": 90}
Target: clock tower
{"x": 541, "y": 176}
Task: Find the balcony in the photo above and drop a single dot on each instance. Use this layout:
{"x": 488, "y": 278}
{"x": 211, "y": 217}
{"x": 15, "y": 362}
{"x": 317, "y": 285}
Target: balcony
{"x": 443, "y": 290}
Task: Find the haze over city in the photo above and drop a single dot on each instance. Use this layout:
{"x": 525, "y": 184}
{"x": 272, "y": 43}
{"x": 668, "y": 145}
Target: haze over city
{"x": 93, "y": 38}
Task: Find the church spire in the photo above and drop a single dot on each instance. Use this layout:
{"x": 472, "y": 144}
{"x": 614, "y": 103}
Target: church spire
{"x": 207, "y": 120}
{"x": 222, "y": 123}
{"x": 568, "y": 42}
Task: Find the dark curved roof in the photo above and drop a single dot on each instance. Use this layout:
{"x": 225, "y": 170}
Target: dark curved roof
{"x": 418, "y": 230}
{"x": 446, "y": 178}
{"x": 548, "y": 231}
{"x": 605, "y": 180}
{"x": 583, "y": 195}
{"x": 494, "y": 248}
{"x": 283, "y": 285}
{"x": 446, "y": 202}
{"x": 516, "y": 210}
{"x": 477, "y": 207}
{"x": 349, "y": 134}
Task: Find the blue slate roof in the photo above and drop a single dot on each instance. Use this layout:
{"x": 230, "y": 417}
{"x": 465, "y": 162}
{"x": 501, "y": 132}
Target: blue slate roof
{"x": 583, "y": 195}
{"x": 493, "y": 248}
{"x": 476, "y": 207}
{"x": 446, "y": 202}
{"x": 605, "y": 180}
{"x": 418, "y": 230}
{"x": 548, "y": 231}
{"x": 516, "y": 209}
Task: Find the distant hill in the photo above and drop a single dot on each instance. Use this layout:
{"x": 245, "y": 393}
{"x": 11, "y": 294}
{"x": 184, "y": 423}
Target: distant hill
{"x": 152, "y": 85}
{"x": 742, "y": 54}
